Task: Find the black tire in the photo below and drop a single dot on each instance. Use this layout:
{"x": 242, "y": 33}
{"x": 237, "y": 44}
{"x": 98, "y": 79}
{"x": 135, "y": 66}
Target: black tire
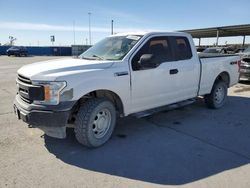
{"x": 87, "y": 121}
{"x": 218, "y": 96}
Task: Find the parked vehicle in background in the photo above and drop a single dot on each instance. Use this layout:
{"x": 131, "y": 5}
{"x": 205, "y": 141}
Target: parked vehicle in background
{"x": 123, "y": 74}
{"x": 239, "y": 50}
{"x": 17, "y": 51}
{"x": 215, "y": 50}
{"x": 200, "y": 49}
{"x": 245, "y": 53}
{"x": 245, "y": 68}
{"x": 245, "y": 64}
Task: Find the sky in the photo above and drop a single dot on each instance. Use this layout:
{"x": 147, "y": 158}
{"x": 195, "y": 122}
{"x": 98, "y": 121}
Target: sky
{"x": 32, "y": 22}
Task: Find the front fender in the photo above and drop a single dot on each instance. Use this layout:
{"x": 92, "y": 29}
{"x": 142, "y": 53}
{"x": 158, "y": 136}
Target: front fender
{"x": 118, "y": 85}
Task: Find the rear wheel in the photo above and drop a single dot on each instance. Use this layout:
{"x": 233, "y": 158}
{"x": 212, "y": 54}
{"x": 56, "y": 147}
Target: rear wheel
{"x": 218, "y": 96}
{"x": 95, "y": 122}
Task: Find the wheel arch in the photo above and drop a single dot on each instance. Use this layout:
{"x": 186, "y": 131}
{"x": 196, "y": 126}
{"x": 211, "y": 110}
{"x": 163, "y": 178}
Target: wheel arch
{"x": 112, "y": 96}
{"x": 223, "y": 76}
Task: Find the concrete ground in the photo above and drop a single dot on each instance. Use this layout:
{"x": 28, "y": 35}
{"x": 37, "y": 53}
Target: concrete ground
{"x": 192, "y": 146}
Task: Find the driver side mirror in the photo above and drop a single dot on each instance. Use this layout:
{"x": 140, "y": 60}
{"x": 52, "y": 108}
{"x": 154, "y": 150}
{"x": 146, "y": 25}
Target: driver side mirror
{"x": 146, "y": 61}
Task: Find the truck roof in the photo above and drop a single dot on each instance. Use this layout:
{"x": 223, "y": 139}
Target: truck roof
{"x": 150, "y": 33}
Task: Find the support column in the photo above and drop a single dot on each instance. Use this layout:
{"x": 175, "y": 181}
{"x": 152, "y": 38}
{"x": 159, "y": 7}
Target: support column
{"x": 244, "y": 39}
{"x": 199, "y": 41}
{"x": 217, "y": 37}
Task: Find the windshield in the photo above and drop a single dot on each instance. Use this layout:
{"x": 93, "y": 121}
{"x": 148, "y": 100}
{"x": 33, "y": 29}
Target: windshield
{"x": 111, "y": 48}
{"x": 247, "y": 50}
{"x": 212, "y": 50}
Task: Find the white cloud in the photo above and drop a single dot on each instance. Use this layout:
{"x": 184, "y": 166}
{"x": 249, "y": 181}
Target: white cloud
{"x": 50, "y": 27}
{"x": 44, "y": 27}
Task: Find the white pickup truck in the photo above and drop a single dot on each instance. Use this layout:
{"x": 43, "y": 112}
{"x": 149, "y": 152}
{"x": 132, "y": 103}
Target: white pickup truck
{"x": 121, "y": 75}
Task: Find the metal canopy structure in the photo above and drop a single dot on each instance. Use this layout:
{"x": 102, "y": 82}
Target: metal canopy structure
{"x": 224, "y": 31}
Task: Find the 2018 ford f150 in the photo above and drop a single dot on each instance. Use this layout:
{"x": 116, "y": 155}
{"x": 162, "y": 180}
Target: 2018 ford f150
{"x": 122, "y": 74}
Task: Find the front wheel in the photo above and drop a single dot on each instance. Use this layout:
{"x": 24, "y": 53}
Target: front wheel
{"x": 218, "y": 96}
{"x": 95, "y": 122}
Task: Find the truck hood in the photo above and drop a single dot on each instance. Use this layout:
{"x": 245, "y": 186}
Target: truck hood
{"x": 52, "y": 69}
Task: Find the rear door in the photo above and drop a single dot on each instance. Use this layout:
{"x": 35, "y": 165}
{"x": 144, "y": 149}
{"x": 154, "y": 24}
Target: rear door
{"x": 174, "y": 78}
{"x": 188, "y": 65}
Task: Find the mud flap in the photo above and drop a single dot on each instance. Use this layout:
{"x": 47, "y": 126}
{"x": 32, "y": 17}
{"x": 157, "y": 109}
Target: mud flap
{"x": 56, "y": 132}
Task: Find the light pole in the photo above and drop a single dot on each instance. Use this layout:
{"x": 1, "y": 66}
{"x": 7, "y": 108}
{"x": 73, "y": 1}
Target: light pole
{"x": 89, "y": 28}
{"x": 74, "y": 33}
{"x": 112, "y": 27}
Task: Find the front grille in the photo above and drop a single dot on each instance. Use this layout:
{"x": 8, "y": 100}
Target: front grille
{"x": 245, "y": 67}
{"x": 23, "y": 79}
{"x": 28, "y": 92}
{"x": 25, "y": 99}
{"x": 23, "y": 84}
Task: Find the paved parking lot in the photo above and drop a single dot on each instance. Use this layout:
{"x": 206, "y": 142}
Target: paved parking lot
{"x": 192, "y": 146}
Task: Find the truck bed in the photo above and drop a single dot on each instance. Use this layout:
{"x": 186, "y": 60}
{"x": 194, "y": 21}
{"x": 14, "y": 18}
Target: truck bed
{"x": 212, "y": 65}
{"x": 211, "y": 55}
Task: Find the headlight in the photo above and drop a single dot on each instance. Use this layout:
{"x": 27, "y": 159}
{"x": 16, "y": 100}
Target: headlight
{"x": 51, "y": 92}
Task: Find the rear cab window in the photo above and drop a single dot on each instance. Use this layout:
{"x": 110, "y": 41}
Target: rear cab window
{"x": 181, "y": 47}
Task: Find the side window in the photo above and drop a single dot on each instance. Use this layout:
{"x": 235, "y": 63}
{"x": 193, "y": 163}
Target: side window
{"x": 182, "y": 48}
{"x": 156, "y": 51}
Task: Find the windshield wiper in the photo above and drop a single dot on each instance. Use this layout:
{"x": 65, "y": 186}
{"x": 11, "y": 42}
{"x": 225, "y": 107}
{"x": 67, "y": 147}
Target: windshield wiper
{"x": 88, "y": 58}
{"x": 100, "y": 58}
{"x": 95, "y": 57}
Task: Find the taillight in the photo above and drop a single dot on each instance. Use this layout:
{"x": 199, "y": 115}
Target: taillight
{"x": 238, "y": 63}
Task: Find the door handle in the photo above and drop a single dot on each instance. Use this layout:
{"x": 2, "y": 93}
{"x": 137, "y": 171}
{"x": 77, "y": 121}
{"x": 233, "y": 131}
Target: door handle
{"x": 173, "y": 71}
{"x": 124, "y": 73}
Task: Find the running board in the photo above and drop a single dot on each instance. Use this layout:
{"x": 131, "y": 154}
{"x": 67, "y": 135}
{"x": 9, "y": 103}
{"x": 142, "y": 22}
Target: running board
{"x": 163, "y": 108}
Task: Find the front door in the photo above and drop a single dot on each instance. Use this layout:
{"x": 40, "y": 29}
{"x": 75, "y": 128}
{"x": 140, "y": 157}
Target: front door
{"x": 158, "y": 77}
